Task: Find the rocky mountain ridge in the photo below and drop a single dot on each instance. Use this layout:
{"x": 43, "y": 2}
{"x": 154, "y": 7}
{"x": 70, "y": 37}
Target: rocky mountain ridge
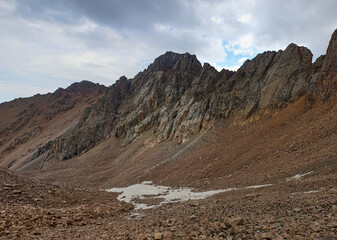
{"x": 30, "y": 123}
{"x": 176, "y": 98}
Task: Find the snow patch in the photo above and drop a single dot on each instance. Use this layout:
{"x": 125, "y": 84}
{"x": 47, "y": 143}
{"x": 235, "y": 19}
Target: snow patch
{"x": 301, "y": 175}
{"x": 137, "y": 194}
{"x": 259, "y": 186}
{"x": 147, "y": 182}
{"x": 307, "y": 192}
{"x": 312, "y": 191}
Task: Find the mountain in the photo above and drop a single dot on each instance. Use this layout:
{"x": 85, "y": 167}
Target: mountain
{"x": 178, "y": 115}
{"x": 263, "y": 138}
{"x": 176, "y": 98}
{"x": 28, "y": 123}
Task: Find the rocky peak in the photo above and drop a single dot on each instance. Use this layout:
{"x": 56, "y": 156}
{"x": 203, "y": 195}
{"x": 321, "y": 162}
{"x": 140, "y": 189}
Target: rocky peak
{"x": 300, "y": 53}
{"x": 333, "y": 41}
{"x": 318, "y": 63}
{"x": 79, "y": 88}
{"x": 330, "y": 60}
{"x": 175, "y": 97}
{"x": 326, "y": 72}
{"x": 268, "y": 82}
{"x": 227, "y": 73}
{"x": 122, "y": 85}
{"x": 176, "y": 62}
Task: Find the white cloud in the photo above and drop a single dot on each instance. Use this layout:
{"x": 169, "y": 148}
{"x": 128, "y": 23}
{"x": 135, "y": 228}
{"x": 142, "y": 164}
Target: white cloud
{"x": 213, "y": 51}
{"x": 245, "y": 41}
{"x": 9, "y": 91}
{"x": 86, "y": 26}
{"x": 233, "y": 68}
{"x": 163, "y": 27}
{"x": 220, "y": 67}
{"x": 62, "y": 41}
{"x": 242, "y": 60}
{"x": 216, "y": 20}
{"x": 7, "y": 6}
{"x": 245, "y": 18}
{"x": 242, "y": 46}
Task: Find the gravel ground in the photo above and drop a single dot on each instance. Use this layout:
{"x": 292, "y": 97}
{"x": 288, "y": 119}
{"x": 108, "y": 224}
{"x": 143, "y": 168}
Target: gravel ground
{"x": 297, "y": 209}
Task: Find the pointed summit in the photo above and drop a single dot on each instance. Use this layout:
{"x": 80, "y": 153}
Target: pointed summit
{"x": 326, "y": 77}
{"x": 176, "y": 62}
{"x": 332, "y": 48}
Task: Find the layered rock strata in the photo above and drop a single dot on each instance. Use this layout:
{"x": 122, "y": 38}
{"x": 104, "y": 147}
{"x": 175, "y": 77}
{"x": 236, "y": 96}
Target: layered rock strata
{"x": 176, "y": 97}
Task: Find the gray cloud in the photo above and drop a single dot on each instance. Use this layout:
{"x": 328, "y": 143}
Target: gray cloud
{"x": 122, "y": 15}
{"x": 53, "y": 43}
{"x": 305, "y": 22}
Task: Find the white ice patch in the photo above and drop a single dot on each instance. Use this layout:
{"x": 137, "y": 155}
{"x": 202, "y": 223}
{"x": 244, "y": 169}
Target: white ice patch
{"x": 301, "y": 175}
{"x": 259, "y": 186}
{"x": 312, "y": 191}
{"x": 147, "y": 191}
{"x": 147, "y": 182}
{"x": 307, "y": 192}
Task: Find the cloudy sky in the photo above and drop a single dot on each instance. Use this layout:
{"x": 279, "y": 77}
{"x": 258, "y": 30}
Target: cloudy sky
{"x": 46, "y": 44}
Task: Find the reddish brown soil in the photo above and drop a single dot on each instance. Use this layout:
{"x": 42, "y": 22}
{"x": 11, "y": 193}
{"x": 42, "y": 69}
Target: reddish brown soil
{"x": 29, "y": 123}
{"x": 295, "y": 141}
{"x": 32, "y": 209}
{"x": 282, "y": 211}
{"x": 278, "y": 212}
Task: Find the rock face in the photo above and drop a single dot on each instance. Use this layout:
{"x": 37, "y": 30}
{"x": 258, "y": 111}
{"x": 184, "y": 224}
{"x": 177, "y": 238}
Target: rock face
{"x": 171, "y": 98}
{"x": 326, "y": 76}
{"x": 176, "y": 97}
{"x": 30, "y": 123}
{"x": 270, "y": 81}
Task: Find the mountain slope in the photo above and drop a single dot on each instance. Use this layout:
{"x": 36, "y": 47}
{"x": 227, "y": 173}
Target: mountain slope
{"x": 176, "y": 100}
{"x": 184, "y": 123}
{"x": 29, "y": 123}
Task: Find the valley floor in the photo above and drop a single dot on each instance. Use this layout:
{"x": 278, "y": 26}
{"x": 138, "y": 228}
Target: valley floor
{"x": 295, "y": 151}
{"x": 297, "y": 209}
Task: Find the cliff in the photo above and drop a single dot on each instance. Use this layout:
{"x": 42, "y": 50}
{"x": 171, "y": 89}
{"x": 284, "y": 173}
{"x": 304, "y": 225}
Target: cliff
{"x": 30, "y": 125}
{"x": 176, "y": 98}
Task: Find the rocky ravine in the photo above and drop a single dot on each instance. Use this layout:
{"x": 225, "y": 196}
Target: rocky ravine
{"x": 176, "y": 97}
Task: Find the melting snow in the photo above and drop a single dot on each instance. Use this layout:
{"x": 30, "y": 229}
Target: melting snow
{"x": 259, "y": 186}
{"x": 147, "y": 182}
{"x": 301, "y": 175}
{"x": 147, "y": 191}
{"x": 312, "y": 191}
{"x": 307, "y": 192}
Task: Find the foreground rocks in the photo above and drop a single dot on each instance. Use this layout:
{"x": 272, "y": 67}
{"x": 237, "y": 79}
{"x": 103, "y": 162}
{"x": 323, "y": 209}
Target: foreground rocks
{"x": 249, "y": 216}
{"x": 283, "y": 211}
{"x": 175, "y": 99}
{"x": 31, "y": 209}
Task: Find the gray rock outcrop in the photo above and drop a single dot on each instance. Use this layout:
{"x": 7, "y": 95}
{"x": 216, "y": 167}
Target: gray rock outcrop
{"x": 176, "y": 97}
